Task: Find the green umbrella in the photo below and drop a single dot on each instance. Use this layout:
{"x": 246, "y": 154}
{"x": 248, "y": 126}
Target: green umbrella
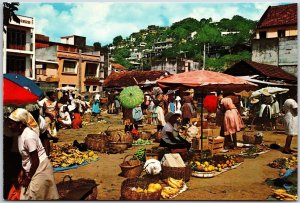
{"x": 132, "y": 96}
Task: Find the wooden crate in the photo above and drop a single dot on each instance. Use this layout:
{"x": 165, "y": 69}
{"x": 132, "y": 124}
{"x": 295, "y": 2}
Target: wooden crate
{"x": 216, "y": 144}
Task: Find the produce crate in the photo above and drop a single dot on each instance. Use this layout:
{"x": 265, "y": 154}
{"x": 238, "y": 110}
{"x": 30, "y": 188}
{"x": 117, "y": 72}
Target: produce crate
{"x": 177, "y": 172}
{"x": 216, "y": 144}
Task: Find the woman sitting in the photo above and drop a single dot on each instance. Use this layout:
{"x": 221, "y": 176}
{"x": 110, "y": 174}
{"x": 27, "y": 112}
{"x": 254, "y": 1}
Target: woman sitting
{"x": 170, "y": 136}
{"x": 65, "y": 119}
{"x": 77, "y": 121}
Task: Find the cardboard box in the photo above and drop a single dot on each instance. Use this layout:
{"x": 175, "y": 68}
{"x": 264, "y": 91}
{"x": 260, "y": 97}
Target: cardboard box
{"x": 172, "y": 160}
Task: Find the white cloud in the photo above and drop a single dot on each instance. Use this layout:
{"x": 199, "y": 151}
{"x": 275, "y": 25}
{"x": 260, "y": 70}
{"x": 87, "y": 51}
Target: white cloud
{"x": 104, "y": 21}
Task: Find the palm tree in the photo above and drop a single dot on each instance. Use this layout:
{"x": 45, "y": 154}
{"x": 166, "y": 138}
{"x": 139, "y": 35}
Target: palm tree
{"x": 9, "y": 10}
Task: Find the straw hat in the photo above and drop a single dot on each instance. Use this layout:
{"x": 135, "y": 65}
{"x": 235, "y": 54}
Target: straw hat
{"x": 169, "y": 115}
{"x": 254, "y": 101}
{"x": 189, "y": 91}
{"x": 265, "y": 92}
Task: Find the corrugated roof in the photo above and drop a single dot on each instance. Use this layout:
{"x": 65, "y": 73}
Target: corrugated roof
{"x": 127, "y": 78}
{"x": 266, "y": 70}
{"x": 279, "y": 16}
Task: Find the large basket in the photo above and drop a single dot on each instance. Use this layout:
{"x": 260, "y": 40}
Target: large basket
{"x": 177, "y": 172}
{"x": 128, "y": 194}
{"x": 249, "y": 137}
{"x": 145, "y": 135}
{"x": 97, "y": 142}
{"x": 66, "y": 187}
{"x": 117, "y": 147}
{"x": 131, "y": 168}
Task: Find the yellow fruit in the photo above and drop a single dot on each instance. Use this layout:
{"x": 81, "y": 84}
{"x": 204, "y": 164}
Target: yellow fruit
{"x": 139, "y": 189}
{"x": 197, "y": 163}
{"x": 145, "y": 191}
{"x": 205, "y": 169}
{"x": 91, "y": 153}
{"x": 150, "y": 190}
{"x": 225, "y": 165}
{"x": 157, "y": 186}
{"x": 206, "y": 163}
{"x": 220, "y": 169}
{"x": 219, "y": 165}
{"x": 294, "y": 158}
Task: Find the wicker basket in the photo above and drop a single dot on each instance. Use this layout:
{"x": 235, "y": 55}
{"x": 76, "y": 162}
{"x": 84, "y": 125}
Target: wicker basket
{"x": 117, "y": 147}
{"x": 249, "y": 137}
{"x": 65, "y": 187}
{"x": 145, "y": 135}
{"x": 131, "y": 168}
{"x": 97, "y": 142}
{"x": 177, "y": 172}
{"x": 128, "y": 194}
{"x": 158, "y": 136}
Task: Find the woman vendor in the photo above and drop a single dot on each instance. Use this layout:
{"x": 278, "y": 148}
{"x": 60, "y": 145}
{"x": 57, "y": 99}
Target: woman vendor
{"x": 36, "y": 177}
{"x": 232, "y": 123}
{"x": 170, "y": 136}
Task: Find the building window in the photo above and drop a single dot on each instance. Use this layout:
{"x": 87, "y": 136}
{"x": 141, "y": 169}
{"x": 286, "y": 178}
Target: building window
{"x": 95, "y": 88}
{"x": 16, "y": 39}
{"x": 16, "y": 64}
{"x": 281, "y": 33}
{"x": 262, "y": 35}
{"x": 91, "y": 70}
{"x": 69, "y": 66}
{"x": 87, "y": 88}
{"x": 41, "y": 69}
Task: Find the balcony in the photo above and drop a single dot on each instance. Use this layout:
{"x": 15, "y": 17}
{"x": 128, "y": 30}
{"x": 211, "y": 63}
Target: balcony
{"x": 16, "y": 46}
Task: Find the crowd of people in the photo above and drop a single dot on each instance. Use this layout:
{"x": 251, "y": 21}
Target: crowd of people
{"x": 34, "y": 126}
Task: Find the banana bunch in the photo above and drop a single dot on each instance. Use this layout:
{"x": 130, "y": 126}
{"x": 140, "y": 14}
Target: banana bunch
{"x": 174, "y": 183}
{"x": 168, "y": 192}
{"x": 283, "y": 195}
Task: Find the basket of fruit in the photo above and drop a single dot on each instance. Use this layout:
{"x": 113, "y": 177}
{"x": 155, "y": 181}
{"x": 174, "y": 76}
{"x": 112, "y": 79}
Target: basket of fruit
{"x": 140, "y": 189}
{"x": 145, "y": 135}
{"x": 97, "y": 142}
{"x": 68, "y": 190}
{"x": 131, "y": 168}
{"x": 177, "y": 172}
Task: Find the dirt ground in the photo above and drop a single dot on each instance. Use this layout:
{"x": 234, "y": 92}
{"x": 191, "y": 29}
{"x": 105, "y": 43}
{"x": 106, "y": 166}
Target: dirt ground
{"x": 247, "y": 182}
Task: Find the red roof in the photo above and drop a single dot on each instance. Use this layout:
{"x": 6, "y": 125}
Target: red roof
{"x": 252, "y": 68}
{"x": 117, "y": 66}
{"x": 278, "y": 16}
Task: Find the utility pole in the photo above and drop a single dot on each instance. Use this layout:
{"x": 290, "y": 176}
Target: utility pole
{"x": 203, "y": 58}
{"x": 79, "y": 71}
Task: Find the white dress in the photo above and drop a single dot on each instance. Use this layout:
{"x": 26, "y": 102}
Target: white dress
{"x": 290, "y": 117}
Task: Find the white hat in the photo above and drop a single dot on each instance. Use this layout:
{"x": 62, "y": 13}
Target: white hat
{"x": 169, "y": 115}
{"x": 265, "y": 92}
{"x": 254, "y": 101}
{"x": 177, "y": 98}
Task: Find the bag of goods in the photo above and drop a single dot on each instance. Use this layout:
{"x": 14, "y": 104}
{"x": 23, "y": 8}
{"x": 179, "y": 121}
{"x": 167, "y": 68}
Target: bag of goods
{"x": 152, "y": 167}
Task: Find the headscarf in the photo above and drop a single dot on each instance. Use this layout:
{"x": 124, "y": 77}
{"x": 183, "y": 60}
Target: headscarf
{"x": 289, "y": 104}
{"x": 22, "y": 115}
{"x": 228, "y": 104}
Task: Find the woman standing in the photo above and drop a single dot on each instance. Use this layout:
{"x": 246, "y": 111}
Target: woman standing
{"x": 290, "y": 107}
{"x": 36, "y": 177}
{"x": 178, "y": 105}
{"x": 232, "y": 123}
{"x": 158, "y": 116}
{"x": 50, "y": 109}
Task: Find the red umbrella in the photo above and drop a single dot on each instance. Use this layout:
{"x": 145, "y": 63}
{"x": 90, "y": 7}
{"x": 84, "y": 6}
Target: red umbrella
{"x": 17, "y": 95}
{"x": 206, "y": 81}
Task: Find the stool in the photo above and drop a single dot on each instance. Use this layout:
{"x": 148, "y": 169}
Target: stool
{"x": 182, "y": 152}
{"x": 216, "y": 144}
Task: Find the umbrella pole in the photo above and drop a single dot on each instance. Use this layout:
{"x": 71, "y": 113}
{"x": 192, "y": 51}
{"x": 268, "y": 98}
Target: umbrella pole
{"x": 201, "y": 116}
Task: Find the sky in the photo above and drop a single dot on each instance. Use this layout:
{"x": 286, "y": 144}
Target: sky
{"x": 103, "y": 21}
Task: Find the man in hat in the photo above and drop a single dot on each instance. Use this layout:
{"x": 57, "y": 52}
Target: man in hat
{"x": 170, "y": 136}
{"x": 254, "y": 109}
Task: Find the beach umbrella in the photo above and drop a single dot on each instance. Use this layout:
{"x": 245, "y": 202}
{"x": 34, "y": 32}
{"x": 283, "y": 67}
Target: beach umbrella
{"x": 132, "y": 96}
{"x": 206, "y": 81}
{"x": 19, "y": 90}
{"x": 271, "y": 90}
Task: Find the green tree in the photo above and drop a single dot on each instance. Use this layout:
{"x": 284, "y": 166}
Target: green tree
{"x": 9, "y": 10}
{"x": 97, "y": 46}
{"x": 117, "y": 40}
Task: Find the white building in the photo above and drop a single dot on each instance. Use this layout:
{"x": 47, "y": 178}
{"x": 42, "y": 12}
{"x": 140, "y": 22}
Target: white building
{"x": 19, "y": 47}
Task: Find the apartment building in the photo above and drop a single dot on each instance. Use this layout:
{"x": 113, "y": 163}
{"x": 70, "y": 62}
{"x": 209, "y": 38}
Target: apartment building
{"x": 276, "y": 36}
{"x": 19, "y": 47}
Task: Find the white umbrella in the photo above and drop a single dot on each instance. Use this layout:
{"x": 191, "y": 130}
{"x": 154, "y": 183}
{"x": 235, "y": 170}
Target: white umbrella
{"x": 271, "y": 90}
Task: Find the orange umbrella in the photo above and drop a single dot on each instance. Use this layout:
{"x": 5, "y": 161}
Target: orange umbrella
{"x": 206, "y": 81}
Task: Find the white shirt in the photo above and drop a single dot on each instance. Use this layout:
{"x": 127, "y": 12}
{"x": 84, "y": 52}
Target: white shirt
{"x": 168, "y": 128}
{"x": 161, "y": 116}
{"x": 28, "y": 142}
{"x": 42, "y": 124}
{"x": 67, "y": 118}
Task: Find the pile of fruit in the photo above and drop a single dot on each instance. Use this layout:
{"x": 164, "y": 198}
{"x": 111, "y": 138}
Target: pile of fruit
{"x": 282, "y": 194}
{"x": 140, "y": 141}
{"x": 68, "y": 155}
{"x": 173, "y": 188}
{"x": 152, "y": 187}
{"x": 217, "y": 164}
{"x": 284, "y": 163}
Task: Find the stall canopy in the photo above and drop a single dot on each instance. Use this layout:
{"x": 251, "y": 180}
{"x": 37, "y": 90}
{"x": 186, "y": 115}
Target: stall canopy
{"x": 131, "y": 78}
{"x": 206, "y": 81}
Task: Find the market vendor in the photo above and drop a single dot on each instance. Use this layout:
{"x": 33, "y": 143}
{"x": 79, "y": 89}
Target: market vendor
{"x": 170, "y": 134}
{"x": 36, "y": 177}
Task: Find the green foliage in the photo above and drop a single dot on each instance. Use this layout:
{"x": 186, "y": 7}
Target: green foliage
{"x": 117, "y": 40}
{"x": 97, "y": 46}
{"x": 226, "y": 61}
